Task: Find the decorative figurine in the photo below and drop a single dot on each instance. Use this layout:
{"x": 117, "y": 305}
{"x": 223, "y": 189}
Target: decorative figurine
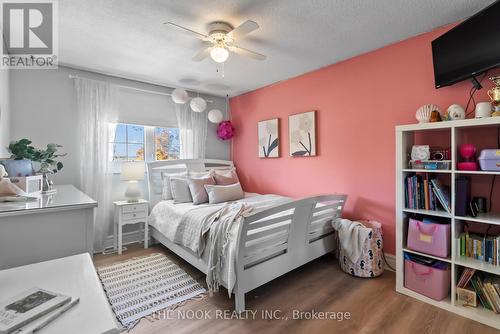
{"x": 468, "y": 154}
{"x": 435, "y": 116}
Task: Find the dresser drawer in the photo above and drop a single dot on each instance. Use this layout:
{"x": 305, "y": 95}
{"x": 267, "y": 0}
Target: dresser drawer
{"x": 133, "y": 215}
{"x": 134, "y": 208}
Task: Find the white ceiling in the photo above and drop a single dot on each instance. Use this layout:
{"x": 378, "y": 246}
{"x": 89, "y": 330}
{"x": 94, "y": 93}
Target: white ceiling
{"x": 127, "y": 37}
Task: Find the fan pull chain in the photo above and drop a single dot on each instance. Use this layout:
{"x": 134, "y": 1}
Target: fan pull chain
{"x": 221, "y": 71}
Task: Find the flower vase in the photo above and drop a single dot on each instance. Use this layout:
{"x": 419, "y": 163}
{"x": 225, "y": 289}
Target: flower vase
{"x": 47, "y": 184}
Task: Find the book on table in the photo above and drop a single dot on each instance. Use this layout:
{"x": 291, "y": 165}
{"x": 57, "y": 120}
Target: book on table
{"x": 27, "y": 307}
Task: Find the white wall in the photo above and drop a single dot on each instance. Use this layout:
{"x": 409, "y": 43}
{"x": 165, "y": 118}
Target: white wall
{"x": 4, "y": 113}
{"x": 43, "y": 105}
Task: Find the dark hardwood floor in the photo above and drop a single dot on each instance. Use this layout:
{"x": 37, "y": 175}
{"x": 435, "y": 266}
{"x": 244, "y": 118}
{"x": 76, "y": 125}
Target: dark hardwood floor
{"x": 372, "y": 304}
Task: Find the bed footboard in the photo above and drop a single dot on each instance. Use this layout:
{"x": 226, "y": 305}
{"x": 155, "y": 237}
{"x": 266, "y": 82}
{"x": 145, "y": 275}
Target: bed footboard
{"x": 277, "y": 240}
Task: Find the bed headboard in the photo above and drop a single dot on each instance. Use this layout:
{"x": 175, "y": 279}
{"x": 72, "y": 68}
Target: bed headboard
{"x": 155, "y": 169}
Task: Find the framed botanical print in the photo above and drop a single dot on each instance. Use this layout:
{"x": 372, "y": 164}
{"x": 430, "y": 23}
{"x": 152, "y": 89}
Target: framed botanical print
{"x": 268, "y": 132}
{"x": 302, "y": 131}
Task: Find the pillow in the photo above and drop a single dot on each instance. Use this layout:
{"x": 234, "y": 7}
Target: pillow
{"x": 220, "y": 194}
{"x": 200, "y": 175}
{"x": 197, "y": 189}
{"x": 180, "y": 190}
{"x": 166, "y": 192}
{"x": 226, "y": 177}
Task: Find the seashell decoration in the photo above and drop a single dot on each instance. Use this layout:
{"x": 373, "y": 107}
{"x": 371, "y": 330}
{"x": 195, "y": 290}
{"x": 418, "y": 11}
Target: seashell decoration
{"x": 456, "y": 112}
{"x": 423, "y": 114}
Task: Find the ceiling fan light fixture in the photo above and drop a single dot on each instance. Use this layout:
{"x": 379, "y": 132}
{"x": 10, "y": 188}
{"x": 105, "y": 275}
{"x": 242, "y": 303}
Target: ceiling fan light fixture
{"x": 219, "y": 54}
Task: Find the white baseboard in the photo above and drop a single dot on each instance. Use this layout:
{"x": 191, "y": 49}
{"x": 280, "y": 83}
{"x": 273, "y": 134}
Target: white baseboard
{"x": 127, "y": 239}
{"x": 391, "y": 260}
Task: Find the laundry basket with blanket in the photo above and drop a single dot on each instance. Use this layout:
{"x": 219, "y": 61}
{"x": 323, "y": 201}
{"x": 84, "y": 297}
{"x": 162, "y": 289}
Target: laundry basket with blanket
{"x": 360, "y": 251}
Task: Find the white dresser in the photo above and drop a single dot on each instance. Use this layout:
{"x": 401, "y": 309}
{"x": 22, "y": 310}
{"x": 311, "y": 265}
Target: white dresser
{"x": 72, "y": 276}
{"x": 54, "y": 226}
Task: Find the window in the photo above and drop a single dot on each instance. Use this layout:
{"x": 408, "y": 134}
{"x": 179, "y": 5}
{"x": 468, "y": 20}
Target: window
{"x": 145, "y": 143}
{"x": 167, "y": 145}
{"x": 129, "y": 143}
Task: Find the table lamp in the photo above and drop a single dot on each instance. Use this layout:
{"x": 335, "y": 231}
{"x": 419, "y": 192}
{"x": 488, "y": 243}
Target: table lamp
{"x": 132, "y": 172}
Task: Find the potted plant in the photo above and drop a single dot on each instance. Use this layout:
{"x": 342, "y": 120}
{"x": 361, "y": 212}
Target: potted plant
{"x": 48, "y": 158}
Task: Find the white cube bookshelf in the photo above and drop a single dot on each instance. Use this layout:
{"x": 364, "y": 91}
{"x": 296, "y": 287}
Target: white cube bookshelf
{"x": 405, "y": 139}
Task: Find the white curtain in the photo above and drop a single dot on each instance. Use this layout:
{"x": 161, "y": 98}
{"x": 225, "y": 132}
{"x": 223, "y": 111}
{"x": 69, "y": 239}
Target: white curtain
{"x": 97, "y": 115}
{"x": 192, "y": 132}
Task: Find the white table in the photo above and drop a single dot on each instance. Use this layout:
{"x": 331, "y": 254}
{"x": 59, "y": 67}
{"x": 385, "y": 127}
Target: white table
{"x": 73, "y": 276}
{"x": 129, "y": 213}
{"x": 51, "y": 227}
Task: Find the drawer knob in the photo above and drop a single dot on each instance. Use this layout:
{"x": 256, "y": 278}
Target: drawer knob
{"x": 135, "y": 215}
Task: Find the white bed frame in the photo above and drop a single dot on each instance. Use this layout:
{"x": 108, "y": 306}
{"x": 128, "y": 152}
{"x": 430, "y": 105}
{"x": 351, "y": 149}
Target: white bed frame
{"x": 304, "y": 232}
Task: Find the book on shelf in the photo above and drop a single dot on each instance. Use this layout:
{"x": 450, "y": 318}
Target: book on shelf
{"x": 480, "y": 247}
{"x": 466, "y": 277}
{"x": 485, "y": 286}
{"x": 27, "y": 307}
{"x": 443, "y": 194}
{"x": 424, "y": 194}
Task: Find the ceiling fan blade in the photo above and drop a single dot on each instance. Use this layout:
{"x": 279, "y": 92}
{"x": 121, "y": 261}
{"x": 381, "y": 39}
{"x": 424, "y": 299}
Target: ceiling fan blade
{"x": 202, "y": 54}
{"x": 192, "y": 32}
{"x": 247, "y": 53}
{"x": 245, "y": 28}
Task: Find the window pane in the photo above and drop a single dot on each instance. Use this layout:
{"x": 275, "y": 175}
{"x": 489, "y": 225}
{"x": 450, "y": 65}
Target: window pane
{"x": 167, "y": 143}
{"x": 135, "y": 134}
{"x": 120, "y": 152}
{"x": 121, "y": 133}
{"x": 175, "y": 145}
{"x": 135, "y": 152}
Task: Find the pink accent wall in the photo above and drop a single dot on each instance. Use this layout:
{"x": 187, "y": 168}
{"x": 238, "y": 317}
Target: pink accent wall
{"x": 359, "y": 102}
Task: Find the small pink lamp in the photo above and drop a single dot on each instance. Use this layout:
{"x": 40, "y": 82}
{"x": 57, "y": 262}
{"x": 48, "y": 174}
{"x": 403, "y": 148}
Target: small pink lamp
{"x": 468, "y": 154}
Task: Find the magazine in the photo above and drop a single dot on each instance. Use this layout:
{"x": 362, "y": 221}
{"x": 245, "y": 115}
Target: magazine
{"x": 28, "y": 306}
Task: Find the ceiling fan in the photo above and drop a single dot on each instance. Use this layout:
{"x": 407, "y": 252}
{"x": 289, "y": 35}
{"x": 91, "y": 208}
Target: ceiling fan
{"x": 223, "y": 37}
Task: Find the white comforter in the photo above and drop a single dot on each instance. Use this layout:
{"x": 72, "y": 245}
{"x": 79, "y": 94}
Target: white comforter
{"x": 181, "y": 223}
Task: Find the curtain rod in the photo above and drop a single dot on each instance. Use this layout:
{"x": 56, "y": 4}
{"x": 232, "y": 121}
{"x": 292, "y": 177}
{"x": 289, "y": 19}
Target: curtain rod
{"x": 71, "y": 76}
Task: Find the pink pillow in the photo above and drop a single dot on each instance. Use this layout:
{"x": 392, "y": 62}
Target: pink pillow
{"x": 226, "y": 177}
{"x": 197, "y": 189}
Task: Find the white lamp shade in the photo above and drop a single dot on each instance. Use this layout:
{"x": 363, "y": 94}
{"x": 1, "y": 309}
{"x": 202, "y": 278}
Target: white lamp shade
{"x": 198, "y": 104}
{"x": 215, "y": 116}
{"x": 132, "y": 171}
{"x": 180, "y": 96}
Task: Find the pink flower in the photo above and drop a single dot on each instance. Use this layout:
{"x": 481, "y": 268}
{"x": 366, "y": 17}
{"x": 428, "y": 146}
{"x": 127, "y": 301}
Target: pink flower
{"x": 225, "y": 130}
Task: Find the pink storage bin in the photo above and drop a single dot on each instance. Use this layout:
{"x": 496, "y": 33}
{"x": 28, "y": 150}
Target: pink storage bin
{"x": 431, "y": 282}
{"x": 429, "y": 238}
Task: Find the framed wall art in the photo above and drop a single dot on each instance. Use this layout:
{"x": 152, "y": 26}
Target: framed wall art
{"x": 302, "y": 131}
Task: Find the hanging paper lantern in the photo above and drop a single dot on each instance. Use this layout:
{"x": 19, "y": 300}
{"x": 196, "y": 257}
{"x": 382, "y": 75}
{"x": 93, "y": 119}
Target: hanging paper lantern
{"x": 225, "y": 130}
{"x": 215, "y": 116}
{"x": 198, "y": 104}
{"x": 180, "y": 96}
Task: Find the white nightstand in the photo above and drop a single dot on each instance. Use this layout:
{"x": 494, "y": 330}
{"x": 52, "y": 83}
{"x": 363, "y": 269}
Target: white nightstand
{"x": 130, "y": 213}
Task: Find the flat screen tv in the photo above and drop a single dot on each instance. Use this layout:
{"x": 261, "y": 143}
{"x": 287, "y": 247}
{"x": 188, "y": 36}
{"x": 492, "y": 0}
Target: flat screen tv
{"x": 469, "y": 49}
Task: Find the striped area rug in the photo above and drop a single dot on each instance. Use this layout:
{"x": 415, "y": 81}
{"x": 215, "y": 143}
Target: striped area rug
{"x": 142, "y": 286}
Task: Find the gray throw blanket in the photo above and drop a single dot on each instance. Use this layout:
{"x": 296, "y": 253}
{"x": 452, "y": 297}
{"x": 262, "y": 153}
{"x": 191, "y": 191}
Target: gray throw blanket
{"x": 219, "y": 221}
{"x": 193, "y": 226}
{"x": 228, "y": 217}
